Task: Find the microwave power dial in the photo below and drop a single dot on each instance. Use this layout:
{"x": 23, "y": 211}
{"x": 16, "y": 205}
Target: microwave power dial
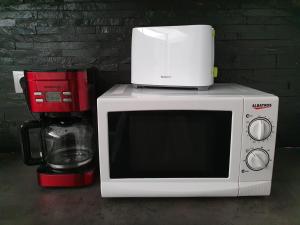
{"x": 259, "y": 129}
{"x": 257, "y": 159}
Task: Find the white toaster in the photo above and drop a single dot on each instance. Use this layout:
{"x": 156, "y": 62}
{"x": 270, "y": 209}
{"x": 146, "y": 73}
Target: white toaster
{"x": 173, "y": 56}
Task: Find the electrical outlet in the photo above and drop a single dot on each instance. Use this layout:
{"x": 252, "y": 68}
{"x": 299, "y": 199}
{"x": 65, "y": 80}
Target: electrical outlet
{"x": 17, "y": 76}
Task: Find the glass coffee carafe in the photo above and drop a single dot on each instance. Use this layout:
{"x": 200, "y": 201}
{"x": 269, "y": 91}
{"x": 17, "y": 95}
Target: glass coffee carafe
{"x": 66, "y": 142}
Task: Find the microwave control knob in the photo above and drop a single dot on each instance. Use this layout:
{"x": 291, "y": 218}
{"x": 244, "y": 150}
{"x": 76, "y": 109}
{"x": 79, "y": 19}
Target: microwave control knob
{"x": 259, "y": 129}
{"x": 257, "y": 159}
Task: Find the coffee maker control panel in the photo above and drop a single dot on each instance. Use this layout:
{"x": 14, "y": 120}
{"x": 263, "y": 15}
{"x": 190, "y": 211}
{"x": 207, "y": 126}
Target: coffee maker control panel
{"x": 57, "y": 91}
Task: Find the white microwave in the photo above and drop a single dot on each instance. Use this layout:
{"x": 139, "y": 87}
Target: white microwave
{"x": 175, "y": 143}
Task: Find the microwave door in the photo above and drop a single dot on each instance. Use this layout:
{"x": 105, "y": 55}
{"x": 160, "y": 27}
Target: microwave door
{"x": 169, "y": 144}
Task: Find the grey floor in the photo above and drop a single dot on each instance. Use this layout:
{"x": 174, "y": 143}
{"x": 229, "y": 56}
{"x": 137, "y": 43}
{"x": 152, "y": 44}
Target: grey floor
{"x": 22, "y": 201}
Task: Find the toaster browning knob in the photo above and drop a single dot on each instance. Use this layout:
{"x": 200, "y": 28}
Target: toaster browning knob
{"x": 257, "y": 159}
{"x": 260, "y": 128}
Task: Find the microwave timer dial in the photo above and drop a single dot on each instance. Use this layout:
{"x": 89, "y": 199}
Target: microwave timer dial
{"x": 257, "y": 159}
{"x": 259, "y": 129}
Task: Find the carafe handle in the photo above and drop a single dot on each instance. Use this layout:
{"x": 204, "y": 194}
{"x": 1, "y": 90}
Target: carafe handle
{"x": 25, "y": 142}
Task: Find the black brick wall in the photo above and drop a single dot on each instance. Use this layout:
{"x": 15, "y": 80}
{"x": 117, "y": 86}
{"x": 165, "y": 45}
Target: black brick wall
{"x": 257, "y": 44}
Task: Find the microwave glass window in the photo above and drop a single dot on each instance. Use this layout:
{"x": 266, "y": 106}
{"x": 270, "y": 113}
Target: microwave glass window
{"x": 169, "y": 144}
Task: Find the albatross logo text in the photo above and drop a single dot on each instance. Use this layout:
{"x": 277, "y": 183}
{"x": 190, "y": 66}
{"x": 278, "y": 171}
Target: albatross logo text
{"x": 261, "y": 106}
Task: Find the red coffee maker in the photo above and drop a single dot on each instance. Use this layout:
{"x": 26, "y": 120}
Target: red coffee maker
{"x": 65, "y": 133}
